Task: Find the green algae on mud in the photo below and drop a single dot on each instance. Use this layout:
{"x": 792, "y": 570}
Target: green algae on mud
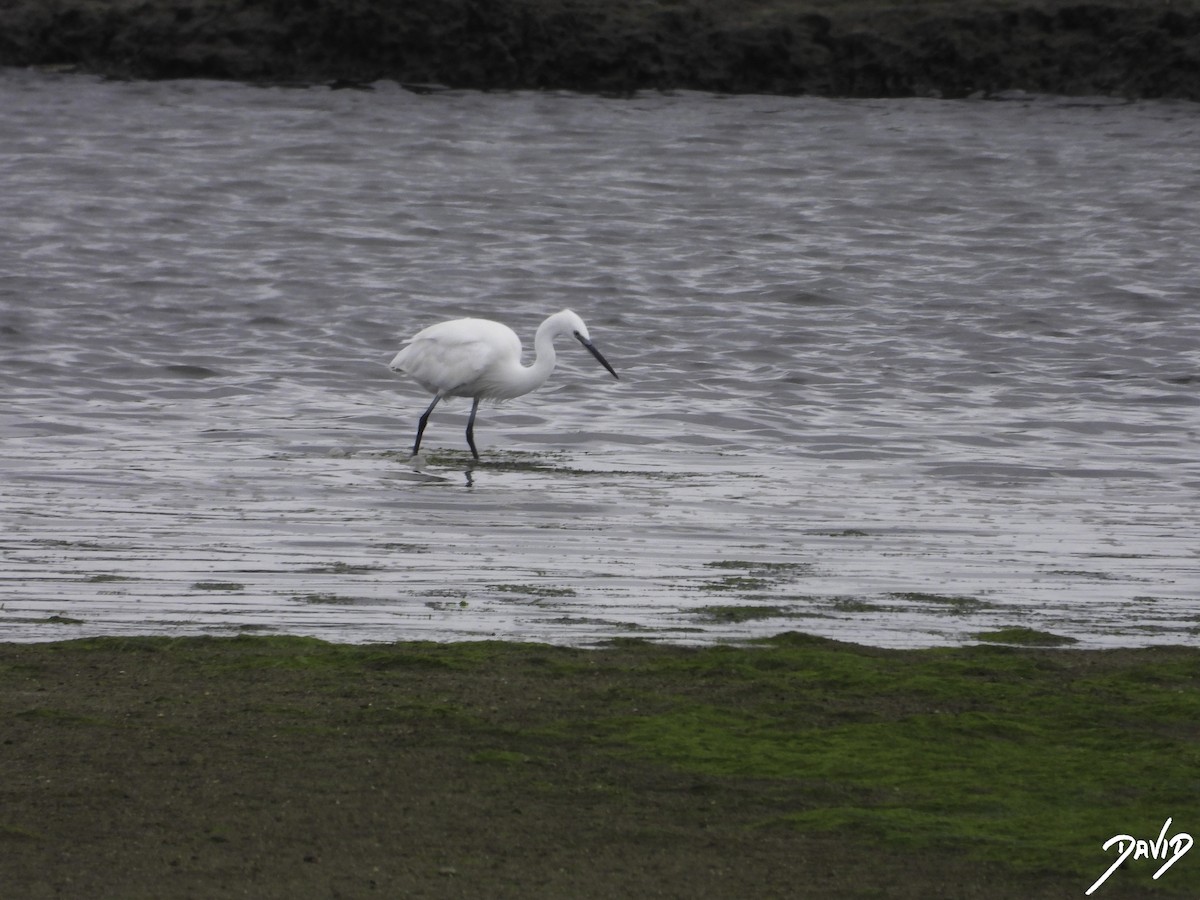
{"x": 797, "y": 767}
{"x": 1025, "y": 637}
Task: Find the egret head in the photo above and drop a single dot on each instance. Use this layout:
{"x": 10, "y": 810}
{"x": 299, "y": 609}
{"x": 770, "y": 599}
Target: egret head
{"x": 569, "y": 323}
{"x": 580, "y": 332}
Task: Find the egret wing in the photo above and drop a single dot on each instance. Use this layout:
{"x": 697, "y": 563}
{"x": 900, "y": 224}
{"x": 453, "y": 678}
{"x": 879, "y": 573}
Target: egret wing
{"x": 452, "y": 358}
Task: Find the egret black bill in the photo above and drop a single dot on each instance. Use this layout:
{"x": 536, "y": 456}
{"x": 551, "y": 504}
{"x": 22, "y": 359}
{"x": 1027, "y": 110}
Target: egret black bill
{"x": 596, "y": 353}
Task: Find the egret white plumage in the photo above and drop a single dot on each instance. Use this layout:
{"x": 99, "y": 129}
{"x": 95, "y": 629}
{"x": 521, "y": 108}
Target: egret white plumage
{"x": 479, "y": 358}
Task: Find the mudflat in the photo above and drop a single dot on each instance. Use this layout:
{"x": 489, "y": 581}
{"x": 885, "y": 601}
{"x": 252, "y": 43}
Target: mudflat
{"x": 792, "y": 767}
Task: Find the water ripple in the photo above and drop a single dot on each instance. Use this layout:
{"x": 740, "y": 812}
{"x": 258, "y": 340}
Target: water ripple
{"x": 895, "y": 372}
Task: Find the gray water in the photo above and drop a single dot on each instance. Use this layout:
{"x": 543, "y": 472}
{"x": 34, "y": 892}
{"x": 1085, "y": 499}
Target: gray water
{"x": 893, "y": 372}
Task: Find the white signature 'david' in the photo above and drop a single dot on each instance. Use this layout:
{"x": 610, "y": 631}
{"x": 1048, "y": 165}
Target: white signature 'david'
{"x": 1127, "y": 846}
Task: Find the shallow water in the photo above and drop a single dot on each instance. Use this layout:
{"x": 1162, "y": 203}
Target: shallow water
{"x": 891, "y": 372}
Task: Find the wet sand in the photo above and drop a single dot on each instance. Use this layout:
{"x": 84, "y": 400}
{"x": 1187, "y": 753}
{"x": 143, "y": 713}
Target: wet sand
{"x": 287, "y": 767}
{"x": 853, "y": 48}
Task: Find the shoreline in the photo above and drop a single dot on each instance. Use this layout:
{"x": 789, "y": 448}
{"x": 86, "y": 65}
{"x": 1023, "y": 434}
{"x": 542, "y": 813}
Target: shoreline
{"x": 798, "y": 767}
{"x": 920, "y": 48}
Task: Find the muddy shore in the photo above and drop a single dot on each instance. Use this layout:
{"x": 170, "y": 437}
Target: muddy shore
{"x": 849, "y": 48}
{"x": 798, "y": 767}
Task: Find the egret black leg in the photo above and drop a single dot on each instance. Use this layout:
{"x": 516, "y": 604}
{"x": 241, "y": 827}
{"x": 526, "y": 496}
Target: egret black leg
{"x": 421, "y": 425}
{"x": 471, "y": 427}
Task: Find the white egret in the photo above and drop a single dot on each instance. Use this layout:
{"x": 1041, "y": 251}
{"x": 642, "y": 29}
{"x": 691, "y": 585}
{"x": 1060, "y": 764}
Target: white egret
{"x": 479, "y": 358}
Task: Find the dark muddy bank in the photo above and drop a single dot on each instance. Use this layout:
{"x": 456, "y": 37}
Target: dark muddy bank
{"x": 1121, "y": 48}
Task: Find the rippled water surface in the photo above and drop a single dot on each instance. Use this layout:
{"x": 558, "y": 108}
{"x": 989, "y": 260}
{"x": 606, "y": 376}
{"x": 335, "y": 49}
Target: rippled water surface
{"x": 893, "y": 372}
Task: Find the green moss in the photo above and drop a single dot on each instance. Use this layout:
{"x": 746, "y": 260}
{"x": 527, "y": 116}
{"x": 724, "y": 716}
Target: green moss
{"x": 329, "y": 599}
{"x": 759, "y": 567}
{"x": 955, "y": 605}
{"x": 401, "y": 547}
{"x": 1027, "y": 637}
{"x": 854, "y": 605}
{"x": 342, "y": 568}
{"x": 501, "y": 757}
{"x": 997, "y": 755}
{"x": 17, "y": 833}
{"x": 741, "y": 613}
{"x": 1002, "y": 764}
{"x": 59, "y": 716}
{"x": 736, "y": 583}
{"x": 534, "y": 590}
{"x": 754, "y": 576}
